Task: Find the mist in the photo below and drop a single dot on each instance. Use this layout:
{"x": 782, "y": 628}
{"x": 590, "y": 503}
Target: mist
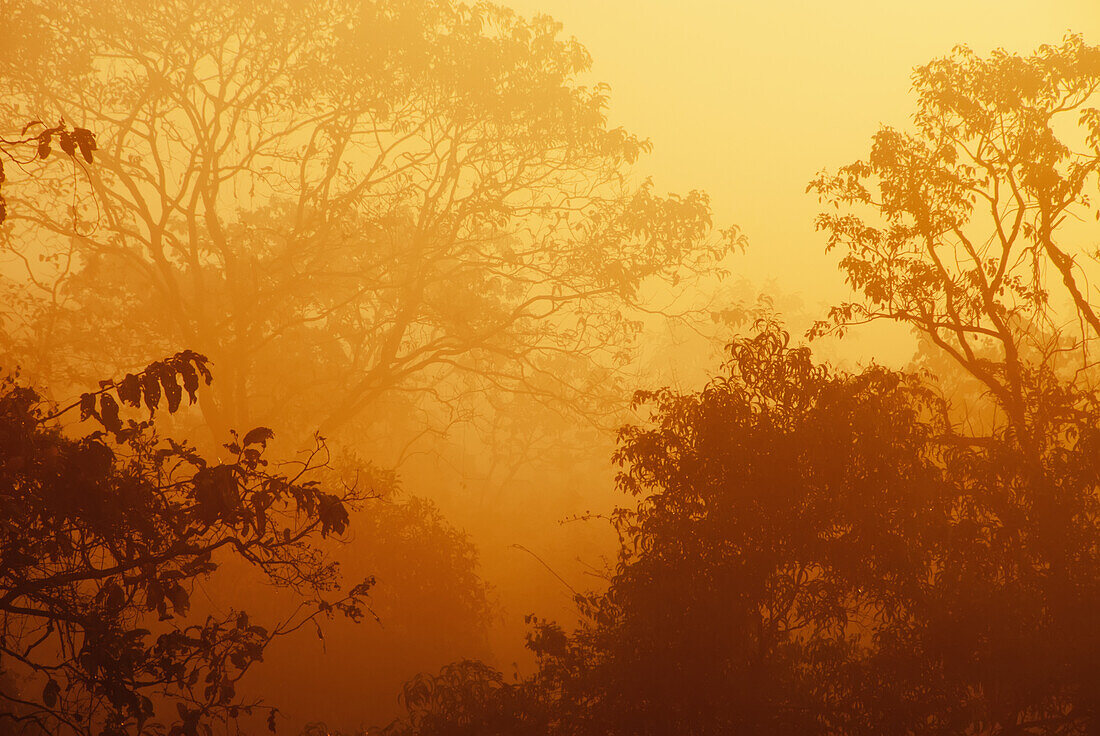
{"x": 546, "y": 367}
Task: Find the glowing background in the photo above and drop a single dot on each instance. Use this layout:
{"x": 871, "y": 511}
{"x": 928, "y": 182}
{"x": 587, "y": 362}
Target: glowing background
{"x": 748, "y": 100}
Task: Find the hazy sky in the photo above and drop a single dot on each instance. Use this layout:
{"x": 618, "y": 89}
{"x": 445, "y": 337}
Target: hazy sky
{"x": 748, "y": 100}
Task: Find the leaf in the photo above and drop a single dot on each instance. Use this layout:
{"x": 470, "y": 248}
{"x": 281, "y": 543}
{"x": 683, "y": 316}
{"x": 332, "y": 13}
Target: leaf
{"x": 259, "y": 435}
{"x": 115, "y": 598}
{"x": 216, "y": 493}
{"x": 201, "y": 363}
{"x": 145, "y": 711}
{"x": 190, "y": 380}
{"x": 86, "y": 140}
{"x": 333, "y": 515}
{"x": 154, "y": 594}
{"x": 108, "y": 408}
{"x": 87, "y": 406}
{"x": 172, "y": 391}
{"x": 151, "y": 387}
{"x": 129, "y": 390}
{"x": 50, "y": 693}
{"x": 179, "y": 598}
{"x": 68, "y": 145}
{"x": 271, "y": 721}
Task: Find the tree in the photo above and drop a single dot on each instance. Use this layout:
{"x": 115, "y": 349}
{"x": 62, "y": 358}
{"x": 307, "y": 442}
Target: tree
{"x": 383, "y": 219}
{"x": 778, "y": 524}
{"x": 356, "y": 209}
{"x": 103, "y": 539}
{"x": 820, "y": 552}
{"x": 968, "y": 229}
{"x": 432, "y": 605}
{"x": 467, "y": 699}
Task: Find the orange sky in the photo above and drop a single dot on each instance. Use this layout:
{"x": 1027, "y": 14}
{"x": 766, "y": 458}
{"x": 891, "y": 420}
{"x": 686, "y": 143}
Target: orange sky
{"x": 748, "y": 100}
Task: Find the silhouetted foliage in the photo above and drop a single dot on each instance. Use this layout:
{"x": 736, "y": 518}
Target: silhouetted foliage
{"x": 821, "y": 552}
{"x": 467, "y": 699}
{"x": 964, "y": 227}
{"x": 104, "y": 539}
{"x": 38, "y": 145}
{"x": 378, "y": 209}
{"x": 779, "y": 516}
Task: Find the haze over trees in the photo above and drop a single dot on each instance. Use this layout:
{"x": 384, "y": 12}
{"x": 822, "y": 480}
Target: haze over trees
{"x": 345, "y": 205}
{"x": 404, "y": 235}
{"x": 408, "y": 225}
{"x": 410, "y": 218}
{"x": 814, "y": 551}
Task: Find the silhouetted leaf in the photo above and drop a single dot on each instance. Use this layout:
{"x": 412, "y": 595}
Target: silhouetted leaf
{"x": 66, "y": 142}
{"x": 259, "y": 435}
{"x": 50, "y": 693}
{"x": 129, "y": 390}
{"x": 108, "y": 409}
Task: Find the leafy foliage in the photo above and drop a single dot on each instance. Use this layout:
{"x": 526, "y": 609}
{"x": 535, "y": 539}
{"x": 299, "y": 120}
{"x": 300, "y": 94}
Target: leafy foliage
{"x": 966, "y": 227}
{"x": 104, "y": 539}
{"x": 161, "y": 378}
{"x": 468, "y": 698}
{"x": 822, "y": 552}
{"x": 69, "y": 141}
{"x": 779, "y": 517}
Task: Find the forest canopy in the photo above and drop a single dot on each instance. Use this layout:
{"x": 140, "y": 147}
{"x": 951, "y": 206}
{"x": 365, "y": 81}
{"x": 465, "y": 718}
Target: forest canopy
{"x": 350, "y": 366}
{"x": 820, "y": 551}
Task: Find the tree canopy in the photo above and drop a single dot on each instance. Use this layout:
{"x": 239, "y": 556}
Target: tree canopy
{"x": 815, "y": 551}
{"x": 411, "y": 203}
{"x": 104, "y": 539}
{"x": 818, "y": 551}
{"x": 389, "y": 218}
{"x": 968, "y": 227}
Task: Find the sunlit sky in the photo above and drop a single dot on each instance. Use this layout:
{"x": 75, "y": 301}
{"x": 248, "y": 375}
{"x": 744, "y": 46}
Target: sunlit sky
{"x": 748, "y": 100}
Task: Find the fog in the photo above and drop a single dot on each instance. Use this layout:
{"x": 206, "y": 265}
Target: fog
{"x": 572, "y": 334}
